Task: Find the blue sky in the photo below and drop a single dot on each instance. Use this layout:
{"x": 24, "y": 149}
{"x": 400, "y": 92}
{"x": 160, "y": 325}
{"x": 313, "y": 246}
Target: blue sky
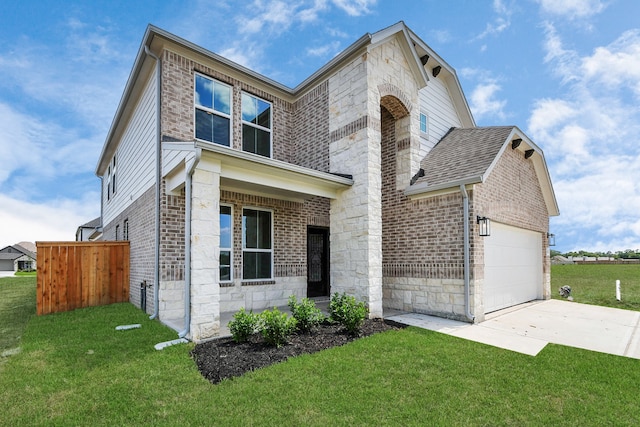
{"x": 567, "y": 72}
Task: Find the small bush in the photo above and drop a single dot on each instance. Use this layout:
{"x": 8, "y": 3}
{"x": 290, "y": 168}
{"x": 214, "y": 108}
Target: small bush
{"x": 307, "y": 315}
{"x": 345, "y": 310}
{"x": 276, "y": 326}
{"x": 243, "y": 325}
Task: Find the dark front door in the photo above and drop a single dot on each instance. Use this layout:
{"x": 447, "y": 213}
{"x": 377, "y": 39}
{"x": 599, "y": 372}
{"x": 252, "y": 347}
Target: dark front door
{"x": 317, "y": 262}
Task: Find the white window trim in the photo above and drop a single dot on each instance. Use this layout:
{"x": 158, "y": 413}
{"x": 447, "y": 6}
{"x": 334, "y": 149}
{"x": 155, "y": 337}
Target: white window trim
{"x": 211, "y": 110}
{"x": 109, "y": 182}
{"x": 273, "y": 243}
{"x": 423, "y": 134}
{"x": 229, "y": 249}
{"x": 270, "y": 130}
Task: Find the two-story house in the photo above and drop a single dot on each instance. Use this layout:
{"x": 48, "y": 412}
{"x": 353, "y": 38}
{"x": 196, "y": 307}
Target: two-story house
{"x": 369, "y": 177}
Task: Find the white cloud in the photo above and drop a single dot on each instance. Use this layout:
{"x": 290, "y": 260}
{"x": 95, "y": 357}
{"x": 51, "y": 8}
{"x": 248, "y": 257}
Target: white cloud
{"x": 572, "y": 9}
{"x": 355, "y": 7}
{"x": 329, "y": 49}
{"x": 51, "y": 221}
{"x": 589, "y": 135}
{"x": 484, "y": 102}
{"x": 616, "y": 65}
{"x": 41, "y": 148}
{"x": 501, "y": 23}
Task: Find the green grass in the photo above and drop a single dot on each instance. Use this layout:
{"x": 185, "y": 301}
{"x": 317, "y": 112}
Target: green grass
{"x": 596, "y": 284}
{"x": 76, "y": 369}
{"x": 17, "y": 306}
{"x": 26, "y": 273}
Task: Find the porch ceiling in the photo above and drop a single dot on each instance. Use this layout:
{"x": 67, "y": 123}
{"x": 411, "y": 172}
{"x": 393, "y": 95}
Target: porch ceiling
{"x": 253, "y": 174}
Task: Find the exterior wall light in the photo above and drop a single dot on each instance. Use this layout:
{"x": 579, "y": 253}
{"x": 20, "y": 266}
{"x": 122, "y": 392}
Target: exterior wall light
{"x": 552, "y": 239}
{"x": 485, "y": 226}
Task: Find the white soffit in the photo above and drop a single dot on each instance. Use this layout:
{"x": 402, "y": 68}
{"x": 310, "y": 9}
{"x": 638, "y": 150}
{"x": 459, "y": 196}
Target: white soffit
{"x": 253, "y": 174}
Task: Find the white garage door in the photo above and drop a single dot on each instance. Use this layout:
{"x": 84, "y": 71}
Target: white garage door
{"x": 513, "y": 267}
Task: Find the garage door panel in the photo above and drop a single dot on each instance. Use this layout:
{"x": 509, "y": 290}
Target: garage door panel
{"x": 513, "y": 267}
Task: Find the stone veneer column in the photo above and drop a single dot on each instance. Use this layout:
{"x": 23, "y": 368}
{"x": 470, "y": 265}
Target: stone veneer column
{"x": 356, "y": 220}
{"x": 205, "y": 243}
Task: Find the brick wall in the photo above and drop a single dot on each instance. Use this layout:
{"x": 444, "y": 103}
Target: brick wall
{"x": 511, "y": 195}
{"x": 311, "y": 129}
{"x": 178, "y": 105}
{"x": 172, "y": 244}
{"x": 420, "y": 238}
{"x": 141, "y": 219}
{"x": 290, "y": 220}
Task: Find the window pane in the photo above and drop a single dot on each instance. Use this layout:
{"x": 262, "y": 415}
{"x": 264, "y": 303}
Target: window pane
{"x": 249, "y": 108}
{"x": 263, "y": 265}
{"x": 250, "y": 228}
{"x": 225, "y": 274}
{"x": 204, "y": 92}
{"x": 264, "y": 230}
{"x": 220, "y": 130}
{"x": 249, "y": 138}
{"x": 263, "y": 143}
{"x": 423, "y": 123}
{"x": 225, "y": 227}
{"x": 249, "y": 265}
{"x": 222, "y": 100}
{"x": 264, "y": 114}
{"x": 204, "y": 129}
{"x": 256, "y": 265}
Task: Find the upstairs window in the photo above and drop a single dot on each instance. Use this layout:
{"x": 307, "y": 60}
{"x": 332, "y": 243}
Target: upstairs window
{"x": 111, "y": 178}
{"x": 256, "y": 125}
{"x": 257, "y": 244}
{"x": 424, "y": 124}
{"x": 213, "y": 111}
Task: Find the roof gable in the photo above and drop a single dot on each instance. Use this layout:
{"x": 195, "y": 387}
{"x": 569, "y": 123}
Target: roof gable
{"x": 466, "y": 156}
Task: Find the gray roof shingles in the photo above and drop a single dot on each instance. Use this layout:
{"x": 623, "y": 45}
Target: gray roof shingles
{"x": 463, "y": 153}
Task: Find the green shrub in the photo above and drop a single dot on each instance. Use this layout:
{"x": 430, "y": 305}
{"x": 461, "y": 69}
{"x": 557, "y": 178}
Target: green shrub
{"x": 307, "y": 315}
{"x": 243, "y": 325}
{"x": 349, "y": 312}
{"x": 276, "y": 326}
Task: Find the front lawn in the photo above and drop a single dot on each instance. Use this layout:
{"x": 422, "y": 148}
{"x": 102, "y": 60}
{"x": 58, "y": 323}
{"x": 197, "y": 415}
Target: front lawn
{"x": 76, "y": 369}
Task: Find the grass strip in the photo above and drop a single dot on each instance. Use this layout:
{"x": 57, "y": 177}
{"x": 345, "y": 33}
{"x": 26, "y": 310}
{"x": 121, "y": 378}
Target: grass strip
{"x": 17, "y": 306}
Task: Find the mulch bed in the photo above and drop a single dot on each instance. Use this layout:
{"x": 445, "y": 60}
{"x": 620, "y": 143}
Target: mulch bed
{"x": 224, "y": 358}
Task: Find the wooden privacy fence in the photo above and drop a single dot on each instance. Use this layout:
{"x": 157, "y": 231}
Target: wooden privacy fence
{"x": 81, "y": 274}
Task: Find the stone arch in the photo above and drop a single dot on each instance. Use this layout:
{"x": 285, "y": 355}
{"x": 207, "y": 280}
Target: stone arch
{"x": 394, "y": 100}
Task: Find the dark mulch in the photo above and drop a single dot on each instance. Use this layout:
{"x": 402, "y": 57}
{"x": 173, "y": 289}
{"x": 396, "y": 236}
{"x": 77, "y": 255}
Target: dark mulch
{"x": 224, "y": 358}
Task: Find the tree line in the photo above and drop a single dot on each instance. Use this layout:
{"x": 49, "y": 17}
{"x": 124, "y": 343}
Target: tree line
{"x": 626, "y": 254}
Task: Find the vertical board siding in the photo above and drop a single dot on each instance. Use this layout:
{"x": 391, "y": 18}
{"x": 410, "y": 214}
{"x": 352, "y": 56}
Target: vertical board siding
{"x": 81, "y": 274}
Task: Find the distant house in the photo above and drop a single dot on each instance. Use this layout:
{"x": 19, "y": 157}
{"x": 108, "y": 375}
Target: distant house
{"x": 18, "y": 258}
{"x": 90, "y": 231}
{"x": 370, "y": 177}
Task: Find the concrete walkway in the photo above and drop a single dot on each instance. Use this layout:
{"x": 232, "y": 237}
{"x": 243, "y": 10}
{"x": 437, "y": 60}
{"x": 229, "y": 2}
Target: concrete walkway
{"x": 527, "y": 328}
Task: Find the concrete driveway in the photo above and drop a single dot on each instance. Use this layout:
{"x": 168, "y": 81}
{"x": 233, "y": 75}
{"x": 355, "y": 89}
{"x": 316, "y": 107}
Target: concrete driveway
{"x": 528, "y": 328}
{"x": 7, "y": 274}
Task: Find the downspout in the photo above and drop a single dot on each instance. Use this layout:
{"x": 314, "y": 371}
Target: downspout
{"x": 156, "y": 270}
{"x": 465, "y": 221}
{"x": 187, "y": 243}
